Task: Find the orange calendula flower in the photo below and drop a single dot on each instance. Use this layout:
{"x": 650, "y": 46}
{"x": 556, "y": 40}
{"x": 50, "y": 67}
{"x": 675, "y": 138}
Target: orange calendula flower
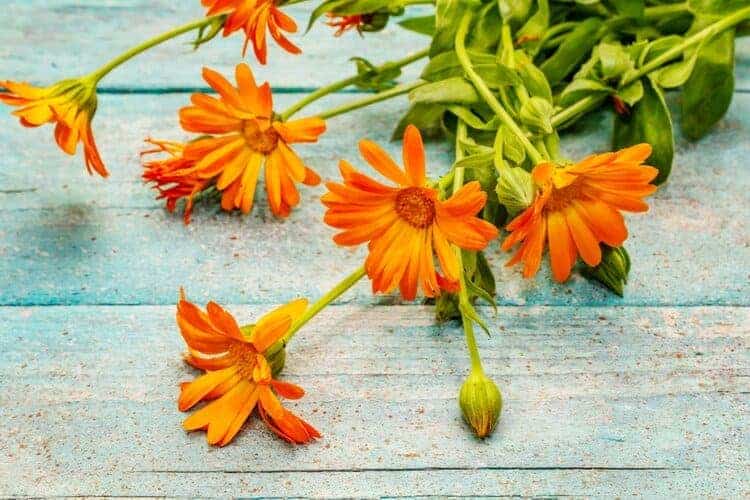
{"x": 406, "y": 225}
{"x": 70, "y": 104}
{"x": 254, "y": 17}
{"x": 238, "y": 376}
{"x": 578, "y": 207}
{"x": 344, "y": 23}
{"x": 240, "y": 136}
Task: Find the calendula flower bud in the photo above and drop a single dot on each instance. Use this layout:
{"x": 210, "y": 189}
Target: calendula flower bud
{"x": 481, "y": 403}
{"x": 515, "y": 189}
{"x": 537, "y": 113}
{"x": 613, "y": 270}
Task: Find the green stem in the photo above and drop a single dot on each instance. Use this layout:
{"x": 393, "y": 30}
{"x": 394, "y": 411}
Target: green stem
{"x": 333, "y": 87}
{"x": 463, "y": 294}
{"x": 659, "y": 11}
{"x": 326, "y": 299}
{"x": 486, "y": 93}
{"x": 677, "y": 50}
{"x": 372, "y": 99}
{"x": 129, "y": 54}
{"x": 592, "y": 102}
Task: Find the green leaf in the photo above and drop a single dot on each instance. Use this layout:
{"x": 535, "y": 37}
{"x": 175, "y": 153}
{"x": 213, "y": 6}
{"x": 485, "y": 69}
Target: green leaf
{"x": 536, "y": 25}
{"x": 708, "y": 92}
{"x": 456, "y": 90}
{"x": 614, "y": 60}
{"x": 715, "y": 7}
{"x": 532, "y": 77}
{"x": 426, "y": 117}
{"x": 657, "y": 48}
{"x": 649, "y": 121}
{"x": 373, "y": 79}
{"x": 484, "y": 34}
{"x": 631, "y": 93}
{"x": 446, "y": 65}
{"x": 572, "y": 51}
{"x": 676, "y": 74}
{"x": 514, "y": 11}
{"x": 580, "y": 88}
{"x": 424, "y": 25}
{"x": 630, "y": 8}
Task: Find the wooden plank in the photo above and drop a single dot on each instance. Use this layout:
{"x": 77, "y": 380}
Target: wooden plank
{"x": 609, "y": 401}
{"x": 69, "y": 239}
{"x": 43, "y": 40}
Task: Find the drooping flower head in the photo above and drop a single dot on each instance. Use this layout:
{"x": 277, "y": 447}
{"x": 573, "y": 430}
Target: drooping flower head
{"x": 374, "y": 21}
{"x": 240, "y": 135}
{"x": 253, "y": 17}
{"x": 70, "y": 104}
{"x": 238, "y": 376}
{"x": 577, "y": 207}
{"x": 406, "y": 225}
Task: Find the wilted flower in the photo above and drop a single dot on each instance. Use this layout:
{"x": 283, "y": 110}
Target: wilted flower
{"x": 70, "y": 104}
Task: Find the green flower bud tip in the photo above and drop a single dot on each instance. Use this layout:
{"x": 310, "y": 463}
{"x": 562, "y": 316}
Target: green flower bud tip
{"x": 481, "y": 403}
{"x": 613, "y": 270}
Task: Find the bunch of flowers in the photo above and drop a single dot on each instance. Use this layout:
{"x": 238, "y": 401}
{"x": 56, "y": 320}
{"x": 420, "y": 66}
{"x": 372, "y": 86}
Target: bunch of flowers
{"x": 503, "y": 79}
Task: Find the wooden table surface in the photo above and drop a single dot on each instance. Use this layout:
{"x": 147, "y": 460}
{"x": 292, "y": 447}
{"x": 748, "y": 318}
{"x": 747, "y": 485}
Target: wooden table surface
{"x": 643, "y": 395}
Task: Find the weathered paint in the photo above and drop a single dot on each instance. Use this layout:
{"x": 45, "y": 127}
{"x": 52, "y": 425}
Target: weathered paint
{"x": 650, "y": 399}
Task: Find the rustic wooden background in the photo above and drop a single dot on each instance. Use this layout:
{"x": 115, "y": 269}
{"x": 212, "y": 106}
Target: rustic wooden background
{"x": 644, "y": 395}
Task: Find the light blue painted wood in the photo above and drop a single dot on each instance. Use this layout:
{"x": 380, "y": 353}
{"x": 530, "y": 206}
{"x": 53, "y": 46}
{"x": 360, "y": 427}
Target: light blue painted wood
{"x": 604, "y": 400}
{"x": 599, "y": 400}
{"x": 81, "y": 240}
{"x": 45, "y": 40}
{"x": 56, "y": 33}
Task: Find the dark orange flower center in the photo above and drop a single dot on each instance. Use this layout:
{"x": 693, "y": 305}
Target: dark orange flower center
{"x": 245, "y": 359}
{"x": 262, "y": 141}
{"x": 561, "y": 198}
{"x": 415, "y": 207}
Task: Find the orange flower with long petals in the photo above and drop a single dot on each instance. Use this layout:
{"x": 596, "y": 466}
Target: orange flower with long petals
{"x": 238, "y": 376}
{"x": 254, "y": 17}
{"x": 577, "y": 207}
{"x": 241, "y": 135}
{"x": 406, "y": 225}
{"x": 70, "y": 104}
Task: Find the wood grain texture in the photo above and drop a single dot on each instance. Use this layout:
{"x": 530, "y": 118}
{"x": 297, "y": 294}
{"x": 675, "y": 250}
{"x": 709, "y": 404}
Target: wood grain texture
{"x": 71, "y": 239}
{"x": 597, "y": 401}
{"x": 641, "y": 396}
{"x": 56, "y": 32}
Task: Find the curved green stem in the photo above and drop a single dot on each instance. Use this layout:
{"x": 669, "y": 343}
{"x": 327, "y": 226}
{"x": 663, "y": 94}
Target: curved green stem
{"x": 333, "y": 87}
{"x": 486, "y": 93}
{"x": 372, "y": 99}
{"x": 129, "y": 54}
{"x": 463, "y": 294}
{"x": 326, "y": 299}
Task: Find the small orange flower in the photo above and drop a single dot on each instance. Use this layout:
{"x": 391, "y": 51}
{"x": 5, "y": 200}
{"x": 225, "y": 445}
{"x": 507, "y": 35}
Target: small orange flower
{"x": 344, "y": 23}
{"x": 578, "y": 207}
{"x": 238, "y": 377}
{"x": 253, "y": 17}
{"x": 246, "y": 135}
{"x": 405, "y": 225}
{"x": 70, "y": 104}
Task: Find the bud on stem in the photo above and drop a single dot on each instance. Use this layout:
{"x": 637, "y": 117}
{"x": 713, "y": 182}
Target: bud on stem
{"x": 481, "y": 403}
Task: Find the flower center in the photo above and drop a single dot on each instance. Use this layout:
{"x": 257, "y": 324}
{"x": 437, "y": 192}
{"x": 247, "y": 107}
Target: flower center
{"x": 262, "y": 141}
{"x": 245, "y": 357}
{"x": 561, "y": 198}
{"x": 415, "y": 207}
